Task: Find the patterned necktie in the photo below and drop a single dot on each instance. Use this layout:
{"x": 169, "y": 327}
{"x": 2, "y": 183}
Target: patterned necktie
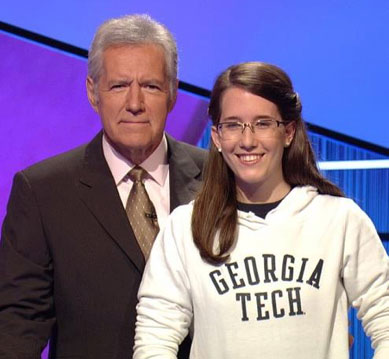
{"x": 141, "y": 212}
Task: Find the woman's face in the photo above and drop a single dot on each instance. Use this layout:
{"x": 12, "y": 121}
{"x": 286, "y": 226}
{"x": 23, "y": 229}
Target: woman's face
{"x": 254, "y": 158}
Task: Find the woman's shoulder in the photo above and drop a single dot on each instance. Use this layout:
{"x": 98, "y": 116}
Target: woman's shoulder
{"x": 308, "y": 196}
{"x": 181, "y": 217}
{"x": 343, "y": 206}
{"x": 184, "y": 210}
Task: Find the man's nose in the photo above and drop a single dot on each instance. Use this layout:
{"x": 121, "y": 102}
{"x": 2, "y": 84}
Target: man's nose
{"x": 135, "y": 99}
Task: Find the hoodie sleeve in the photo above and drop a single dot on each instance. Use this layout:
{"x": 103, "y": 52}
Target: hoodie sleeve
{"x": 366, "y": 278}
{"x": 164, "y": 311}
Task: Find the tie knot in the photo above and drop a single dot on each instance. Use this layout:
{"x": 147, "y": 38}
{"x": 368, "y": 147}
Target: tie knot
{"x": 137, "y": 174}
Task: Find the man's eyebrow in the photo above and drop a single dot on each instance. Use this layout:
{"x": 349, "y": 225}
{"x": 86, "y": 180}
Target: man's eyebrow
{"x": 152, "y": 80}
{"x": 118, "y": 81}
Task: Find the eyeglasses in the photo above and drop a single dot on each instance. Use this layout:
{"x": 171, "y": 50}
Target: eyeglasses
{"x": 261, "y": 128}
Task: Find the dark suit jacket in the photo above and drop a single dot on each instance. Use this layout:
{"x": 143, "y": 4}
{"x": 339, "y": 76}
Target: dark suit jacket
{"x": 70, "y": 266}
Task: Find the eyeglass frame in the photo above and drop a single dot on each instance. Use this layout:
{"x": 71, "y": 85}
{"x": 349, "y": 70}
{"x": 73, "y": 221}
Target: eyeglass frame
{"x": 250, "y": 125}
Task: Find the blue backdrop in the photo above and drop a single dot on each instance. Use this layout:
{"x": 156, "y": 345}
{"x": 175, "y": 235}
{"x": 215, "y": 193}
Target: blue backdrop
{"x": 336, "y": 51}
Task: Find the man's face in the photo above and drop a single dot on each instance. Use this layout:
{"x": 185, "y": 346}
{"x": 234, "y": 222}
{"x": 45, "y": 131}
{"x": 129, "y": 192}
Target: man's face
{"x": 132, "y": 98}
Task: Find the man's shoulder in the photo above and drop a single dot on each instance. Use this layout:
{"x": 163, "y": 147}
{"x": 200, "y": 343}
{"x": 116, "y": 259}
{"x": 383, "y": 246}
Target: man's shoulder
{"x": 58, "y": 163}
{"x": 198, "y": 154}
{"x": 61, "y": 165}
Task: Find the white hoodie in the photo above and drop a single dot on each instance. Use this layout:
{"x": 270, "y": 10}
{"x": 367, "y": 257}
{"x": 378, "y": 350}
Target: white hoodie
{"x": 284, "y": 293}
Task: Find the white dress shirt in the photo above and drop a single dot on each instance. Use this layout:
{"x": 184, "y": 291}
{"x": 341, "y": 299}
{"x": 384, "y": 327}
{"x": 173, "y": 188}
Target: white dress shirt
{"x": 157, "y": 182}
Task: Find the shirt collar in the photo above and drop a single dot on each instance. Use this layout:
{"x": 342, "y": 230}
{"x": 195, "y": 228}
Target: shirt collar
{"x": 155, "y": 164}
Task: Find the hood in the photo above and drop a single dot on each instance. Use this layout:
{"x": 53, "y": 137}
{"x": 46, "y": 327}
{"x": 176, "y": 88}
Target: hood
{"x": 294, "y": 203}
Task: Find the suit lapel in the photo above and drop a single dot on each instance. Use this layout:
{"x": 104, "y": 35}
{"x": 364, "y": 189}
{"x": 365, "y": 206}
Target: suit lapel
{"x": 98, "y": 191}
{"x": 184, "y": 174}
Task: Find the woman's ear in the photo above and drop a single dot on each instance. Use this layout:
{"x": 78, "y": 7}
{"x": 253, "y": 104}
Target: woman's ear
{"x": 290, "y": 130}
{"x": 215, "y": 138}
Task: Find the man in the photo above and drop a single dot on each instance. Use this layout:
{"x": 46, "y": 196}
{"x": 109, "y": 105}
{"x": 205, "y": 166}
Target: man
{"x": 70, "y": 265}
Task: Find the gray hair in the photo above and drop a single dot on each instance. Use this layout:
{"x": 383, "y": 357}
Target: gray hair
{"x": 133, "y": 30}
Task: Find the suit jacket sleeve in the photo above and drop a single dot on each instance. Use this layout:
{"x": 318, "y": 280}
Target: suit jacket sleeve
{"x": 26, "y": 298}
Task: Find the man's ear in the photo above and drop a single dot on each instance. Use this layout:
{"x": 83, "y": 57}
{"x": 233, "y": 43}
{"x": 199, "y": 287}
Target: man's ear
{"x": 173, "y": 97}
{"x": 215, "y": 137}
{"x": 91, "y": 92}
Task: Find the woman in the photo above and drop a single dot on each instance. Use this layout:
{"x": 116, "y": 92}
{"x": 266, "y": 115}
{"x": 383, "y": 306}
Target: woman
{"x": 267, "y": 260}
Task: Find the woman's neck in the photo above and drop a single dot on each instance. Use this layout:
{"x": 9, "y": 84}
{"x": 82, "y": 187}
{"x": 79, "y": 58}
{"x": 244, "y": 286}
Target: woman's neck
{"x": 258, "y": 194}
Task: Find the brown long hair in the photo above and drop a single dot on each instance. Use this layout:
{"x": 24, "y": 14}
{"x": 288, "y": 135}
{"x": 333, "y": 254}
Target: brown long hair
{"x": 215, "y": 207}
